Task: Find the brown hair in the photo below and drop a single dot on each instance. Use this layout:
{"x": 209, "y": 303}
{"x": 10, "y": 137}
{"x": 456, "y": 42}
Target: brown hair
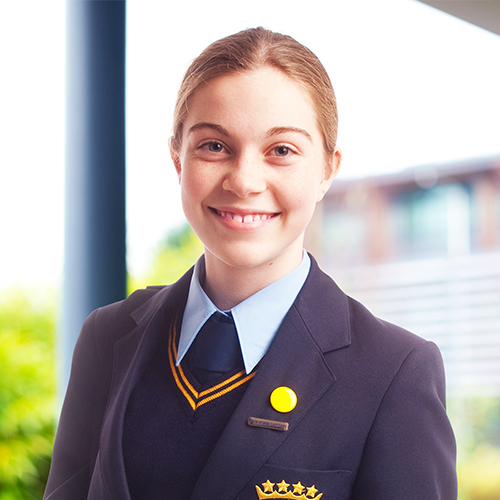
{"x": 249, "y": 49}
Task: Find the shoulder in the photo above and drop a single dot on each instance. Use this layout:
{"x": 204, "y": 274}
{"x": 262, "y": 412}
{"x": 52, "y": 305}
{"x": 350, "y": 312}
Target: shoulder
{"x": 385, "y": 343}
{"x": 338, "y": 320}
{"x": 104, "y": 315}
{"x": 111, "y": 320}
{"x": 367, "y": 327}
{"x": 351, "y": 335}
{"x": 108, "y": 323}
{"x": 387, "y": 364}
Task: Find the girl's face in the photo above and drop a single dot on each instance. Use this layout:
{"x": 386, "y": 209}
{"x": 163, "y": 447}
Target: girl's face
{"x": 251, "y": 169}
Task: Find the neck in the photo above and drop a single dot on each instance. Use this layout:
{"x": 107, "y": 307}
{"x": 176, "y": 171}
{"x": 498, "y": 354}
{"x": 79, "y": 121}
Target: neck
{"x": 227, "y": 286}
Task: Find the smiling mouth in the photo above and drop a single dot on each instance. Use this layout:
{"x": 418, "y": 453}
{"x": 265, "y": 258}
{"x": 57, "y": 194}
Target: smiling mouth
{"x": 244, "y": 218}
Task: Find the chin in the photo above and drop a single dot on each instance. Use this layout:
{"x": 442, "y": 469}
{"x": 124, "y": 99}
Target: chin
{"x": 246, "y": 260}
{"x": 246, "y": 257}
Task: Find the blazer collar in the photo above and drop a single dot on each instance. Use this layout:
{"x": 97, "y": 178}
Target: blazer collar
{"x": 316, "y": 323}
{"x": 324, "y": 309}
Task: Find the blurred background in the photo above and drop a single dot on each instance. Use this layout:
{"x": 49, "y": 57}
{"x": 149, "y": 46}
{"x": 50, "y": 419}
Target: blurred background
{"x": 410, "y": 227}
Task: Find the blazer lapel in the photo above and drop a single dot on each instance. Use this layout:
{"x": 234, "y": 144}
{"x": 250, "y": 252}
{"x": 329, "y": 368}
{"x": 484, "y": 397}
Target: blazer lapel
{"x": 131, "y": 354}
{"x": 295, "y": 359}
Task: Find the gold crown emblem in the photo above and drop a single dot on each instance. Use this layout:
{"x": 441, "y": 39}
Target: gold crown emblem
{"x": 283, "y": 491}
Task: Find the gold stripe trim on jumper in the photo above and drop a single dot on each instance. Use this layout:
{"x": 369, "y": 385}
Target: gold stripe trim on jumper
{"x": 195, "y": 398}
{"x": 226, "y": 390}
{"x": 177, "y": 381}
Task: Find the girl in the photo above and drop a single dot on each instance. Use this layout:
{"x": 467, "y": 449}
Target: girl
{"x": 253, "y": 376}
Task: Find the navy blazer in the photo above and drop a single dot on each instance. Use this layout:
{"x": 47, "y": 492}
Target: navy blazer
{"x": 370, "y": 421}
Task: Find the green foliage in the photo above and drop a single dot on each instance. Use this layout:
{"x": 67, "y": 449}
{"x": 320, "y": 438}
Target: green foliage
{"x": 476, "y": 422}
{"x": 27, "y": 395}
{"x": 479, "y": 474}
{"x": 173, "y": 258}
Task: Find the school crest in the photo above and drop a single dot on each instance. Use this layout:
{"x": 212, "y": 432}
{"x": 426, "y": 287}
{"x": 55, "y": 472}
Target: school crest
{"x": 287, "y": 491}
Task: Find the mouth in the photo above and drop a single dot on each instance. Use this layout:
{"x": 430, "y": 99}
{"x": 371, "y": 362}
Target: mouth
{"x": 244, "y": 217}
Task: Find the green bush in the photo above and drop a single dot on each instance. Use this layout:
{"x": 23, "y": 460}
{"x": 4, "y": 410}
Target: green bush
{"x": 479, "y": 474}
{"x": 476, "y": 421}
{"x": 27, "y": 394}
{"x": 173, "y": 257}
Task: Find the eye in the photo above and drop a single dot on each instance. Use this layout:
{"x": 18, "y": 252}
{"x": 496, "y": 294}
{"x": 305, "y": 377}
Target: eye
{"x": 213, "y": 146}
{"x": 282, "y": 154}
{"x": 281, "y": 150}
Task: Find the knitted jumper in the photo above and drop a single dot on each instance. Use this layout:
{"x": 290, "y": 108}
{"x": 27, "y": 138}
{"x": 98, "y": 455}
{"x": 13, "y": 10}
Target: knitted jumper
{"x": 172, "y": 424}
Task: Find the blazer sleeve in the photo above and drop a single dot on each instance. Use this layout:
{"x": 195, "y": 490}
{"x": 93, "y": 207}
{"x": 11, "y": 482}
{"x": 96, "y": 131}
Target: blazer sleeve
{"x": 70, "y": 468}
{"x": 410, "y": 452}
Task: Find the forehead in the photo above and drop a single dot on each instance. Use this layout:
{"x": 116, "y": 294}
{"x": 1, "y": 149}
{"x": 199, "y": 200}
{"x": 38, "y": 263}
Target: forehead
{"x": 261, "y": 98}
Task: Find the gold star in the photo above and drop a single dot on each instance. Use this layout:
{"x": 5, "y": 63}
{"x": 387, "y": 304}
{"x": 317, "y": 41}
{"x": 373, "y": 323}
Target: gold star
{"x": 268, "y": 486}
{"x": 298, "y": 488}
{"x": 311, "y": 491}
{"x": 283, "y": 486}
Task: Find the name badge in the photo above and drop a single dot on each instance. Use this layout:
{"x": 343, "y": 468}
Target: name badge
{"x": 268, "y": 424}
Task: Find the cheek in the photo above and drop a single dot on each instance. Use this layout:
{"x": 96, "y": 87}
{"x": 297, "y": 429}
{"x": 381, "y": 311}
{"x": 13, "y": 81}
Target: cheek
{"x": 302, "y": 192}
{"x": 197, "y": 191}
{"x": 300, "y": 203}
{"x": 190, "y": 195}
{"x": 191, "y": 183}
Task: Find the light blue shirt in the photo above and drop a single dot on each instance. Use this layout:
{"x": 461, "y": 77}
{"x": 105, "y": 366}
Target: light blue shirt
{"x": 257, "y": 318}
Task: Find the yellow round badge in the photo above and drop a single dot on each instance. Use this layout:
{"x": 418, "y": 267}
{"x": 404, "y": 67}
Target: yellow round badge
{"x": 283, "y": 399}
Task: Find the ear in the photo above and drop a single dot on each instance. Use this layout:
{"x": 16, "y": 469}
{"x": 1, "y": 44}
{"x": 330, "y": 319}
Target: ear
{"x": 331, "y": 170}
{"x": 175, "y": 157}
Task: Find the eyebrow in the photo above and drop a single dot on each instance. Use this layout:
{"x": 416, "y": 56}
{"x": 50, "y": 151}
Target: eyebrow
{"x": 284, "y": 130}
{"x": 274, "y": 131}
{"x": 213, "y": 126}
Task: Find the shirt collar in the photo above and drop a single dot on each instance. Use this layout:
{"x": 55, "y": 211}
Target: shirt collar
{"x": 257, "y": 318}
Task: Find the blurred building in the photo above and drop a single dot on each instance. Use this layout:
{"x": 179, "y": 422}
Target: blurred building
{"x": 421, "y": 248}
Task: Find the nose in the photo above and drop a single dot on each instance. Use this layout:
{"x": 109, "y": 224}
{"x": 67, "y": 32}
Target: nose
{"x": 245, "y": 177}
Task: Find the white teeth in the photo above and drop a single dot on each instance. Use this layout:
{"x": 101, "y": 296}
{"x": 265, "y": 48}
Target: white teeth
{"x": 245, "y": 219}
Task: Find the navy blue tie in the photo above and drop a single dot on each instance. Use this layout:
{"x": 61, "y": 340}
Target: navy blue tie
{"x": 215, "y": 350}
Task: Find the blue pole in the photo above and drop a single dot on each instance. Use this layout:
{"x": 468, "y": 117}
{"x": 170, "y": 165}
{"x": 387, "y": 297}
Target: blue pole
{"x": 95, "y": 265}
